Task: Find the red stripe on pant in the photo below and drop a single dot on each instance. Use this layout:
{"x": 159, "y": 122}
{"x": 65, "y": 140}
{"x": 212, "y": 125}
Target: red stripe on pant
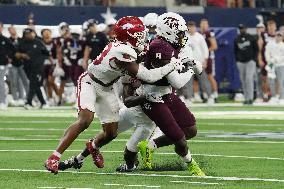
{"x": 79, "y": 89}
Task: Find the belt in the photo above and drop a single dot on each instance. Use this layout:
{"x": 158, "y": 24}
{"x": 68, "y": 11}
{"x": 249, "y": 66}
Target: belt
{"x": 102, "y": 83}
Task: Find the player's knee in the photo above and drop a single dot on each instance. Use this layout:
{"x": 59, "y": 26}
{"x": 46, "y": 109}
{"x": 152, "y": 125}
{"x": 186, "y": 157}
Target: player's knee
{"x": 111, "y": 134}
{"x": 190, "y": 132}
{"x": 84, "y": 122}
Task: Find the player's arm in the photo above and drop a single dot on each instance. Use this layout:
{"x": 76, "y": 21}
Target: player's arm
{"x": 86, "y": 57}
{"x": 178, "y": 80}
{"x": 260, "y": 44}
{"x": 152, "y": 75}
{"x": 59, "y": 55}
{"x": 213, "y": 44}
{"x": 129, "y": 99}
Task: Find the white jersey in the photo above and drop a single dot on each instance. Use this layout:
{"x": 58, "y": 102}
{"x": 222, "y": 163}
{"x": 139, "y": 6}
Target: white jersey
{"x": 104, "y": 68}
{"x": 199, "y": 47}
{"x": 274, "y": 53}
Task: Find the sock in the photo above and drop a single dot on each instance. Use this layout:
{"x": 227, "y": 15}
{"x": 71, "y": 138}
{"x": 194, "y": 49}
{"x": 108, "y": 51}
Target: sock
{"x": 205, "y": 95}
{"x": 215, "y": 94}
{"x": 94, "y": 145}
{"x": 196, "y": 95}
{"x": 80, "y": 158}
{"x": 152, "y": 144}
{"x": 187, "y": 158}
{"x": 57, "y": 154}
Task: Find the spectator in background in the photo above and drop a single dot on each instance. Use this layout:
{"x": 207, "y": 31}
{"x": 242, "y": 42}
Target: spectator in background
{"x": 266, "y": 36}
{"x": 49, "y": 64}
{"x": 95, "y": 43}
{"x": 6, "y": 55}
{"x": 217, "y": 3}
{"x": 246, "y": 52}
{"x": 200, "y": 51}
{"x": 274, "y": 54}
{"x": 212, "y": 47}
{"x": 260, "y": 28}
{"x": 108, "y": 3}
{"x": 33, "y": 53}
{"x": 19, "y": 80}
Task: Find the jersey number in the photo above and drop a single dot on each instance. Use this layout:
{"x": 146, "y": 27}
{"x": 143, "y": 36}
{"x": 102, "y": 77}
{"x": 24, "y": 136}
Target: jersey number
{"x": 99, "y": 59}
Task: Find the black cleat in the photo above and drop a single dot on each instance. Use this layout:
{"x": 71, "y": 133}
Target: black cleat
{"x": 72, "y": 162}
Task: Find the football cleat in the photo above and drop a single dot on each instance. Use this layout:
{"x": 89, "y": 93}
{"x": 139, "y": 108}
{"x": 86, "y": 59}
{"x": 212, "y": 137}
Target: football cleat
{"x": 194, "y": 169}
{"x": 72, "y": 162}
{"x": 124, "y": 168}
{"x": 146, "y": 154}
{"x": 96, "y": 155}
{"x": 51, "y": 164}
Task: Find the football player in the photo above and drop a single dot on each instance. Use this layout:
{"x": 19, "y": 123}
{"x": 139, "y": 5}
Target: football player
{"x": 212, "y": 47}
{"x": 49, "y": 64}
{"x": 171, "y": 116}
{"x": 95, "y": 88}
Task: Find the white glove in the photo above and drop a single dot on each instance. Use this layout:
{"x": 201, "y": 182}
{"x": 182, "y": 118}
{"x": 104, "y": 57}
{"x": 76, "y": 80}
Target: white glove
{"x": 58, "y": 72}
{"x": 154, "y": 97}
{"x": 177, "y": 64}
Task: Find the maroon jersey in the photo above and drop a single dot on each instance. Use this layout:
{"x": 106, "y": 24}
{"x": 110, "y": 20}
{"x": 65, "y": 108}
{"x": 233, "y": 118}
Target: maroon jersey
{"x": 207, "y": 35}
{"x": 72, "y": 50}
{"x": 51, "y": 47}
{"x": 160, "y": 50}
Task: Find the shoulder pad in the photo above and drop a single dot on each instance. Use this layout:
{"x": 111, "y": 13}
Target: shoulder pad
{"x": 125, "y": 53}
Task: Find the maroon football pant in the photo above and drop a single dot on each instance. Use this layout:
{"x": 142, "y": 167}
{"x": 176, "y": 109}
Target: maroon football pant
{"x": 171, "y": 116}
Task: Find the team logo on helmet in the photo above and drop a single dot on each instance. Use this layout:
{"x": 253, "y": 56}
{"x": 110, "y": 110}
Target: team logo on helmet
{"x": 127, "y": 26}
{"x": 171, "y": 22}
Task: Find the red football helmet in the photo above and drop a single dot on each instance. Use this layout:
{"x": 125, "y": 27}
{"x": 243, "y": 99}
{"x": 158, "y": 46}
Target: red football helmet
{"x": 130, "y": 29}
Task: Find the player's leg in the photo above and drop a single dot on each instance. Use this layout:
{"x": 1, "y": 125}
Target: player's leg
{"x": 107, "y": 110}
{"x": 144, "y": 128}
{"x": 210, "y": 70}
{"x": 163, "y": 118}
{"x": 264, "y": 84}
{"x": 86, "y": 98}
{"x": 280, "y": 79}
{"x": 250, "y": 70}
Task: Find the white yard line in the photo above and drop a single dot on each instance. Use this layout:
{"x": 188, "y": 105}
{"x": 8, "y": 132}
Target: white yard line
{"x": 133, "y": 185}
{"x": 4, "y": 138}
{"x": 161, "y": 153}
{"x": 206, "y": 183}
{"x": 152, "y": 175}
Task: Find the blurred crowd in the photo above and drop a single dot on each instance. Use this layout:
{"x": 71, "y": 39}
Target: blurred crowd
{"x": 41, "y": 69}
{"x": 204, "y": 3}
{"x": 260, "y": 60}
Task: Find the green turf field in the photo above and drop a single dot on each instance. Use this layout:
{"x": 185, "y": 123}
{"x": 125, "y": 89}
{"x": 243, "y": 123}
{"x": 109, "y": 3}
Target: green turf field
{"x": 238, "y": 147}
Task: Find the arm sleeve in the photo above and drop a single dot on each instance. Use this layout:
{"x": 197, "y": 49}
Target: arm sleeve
{"x": 178, "y": 80}
{"x": 153, "y": 75}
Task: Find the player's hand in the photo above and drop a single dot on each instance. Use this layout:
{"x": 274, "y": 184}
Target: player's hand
{"x": 261, "y": 64}
{"x": 155, "y": 97}
{"x": 25, "y": 56}
{"x": 177, "y": 64}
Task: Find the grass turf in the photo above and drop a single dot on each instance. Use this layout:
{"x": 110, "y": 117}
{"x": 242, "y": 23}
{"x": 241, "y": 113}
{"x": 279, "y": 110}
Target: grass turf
{"x": 28, "y": 137}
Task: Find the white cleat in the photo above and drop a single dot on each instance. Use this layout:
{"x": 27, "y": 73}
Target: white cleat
{"x": 3, "y": 106}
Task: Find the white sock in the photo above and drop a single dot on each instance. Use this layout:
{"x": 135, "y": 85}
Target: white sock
{"x": 57, "y": 154}
{"x": 215, "y": 94}
{"x": 152, "y": 144}
{"x": 94, "y": 145}
{"x": 80, "y": 158}
{"x": 187, "y": 158}
{"x": 205, "y": 95}
{"x": 196, "y": 95}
